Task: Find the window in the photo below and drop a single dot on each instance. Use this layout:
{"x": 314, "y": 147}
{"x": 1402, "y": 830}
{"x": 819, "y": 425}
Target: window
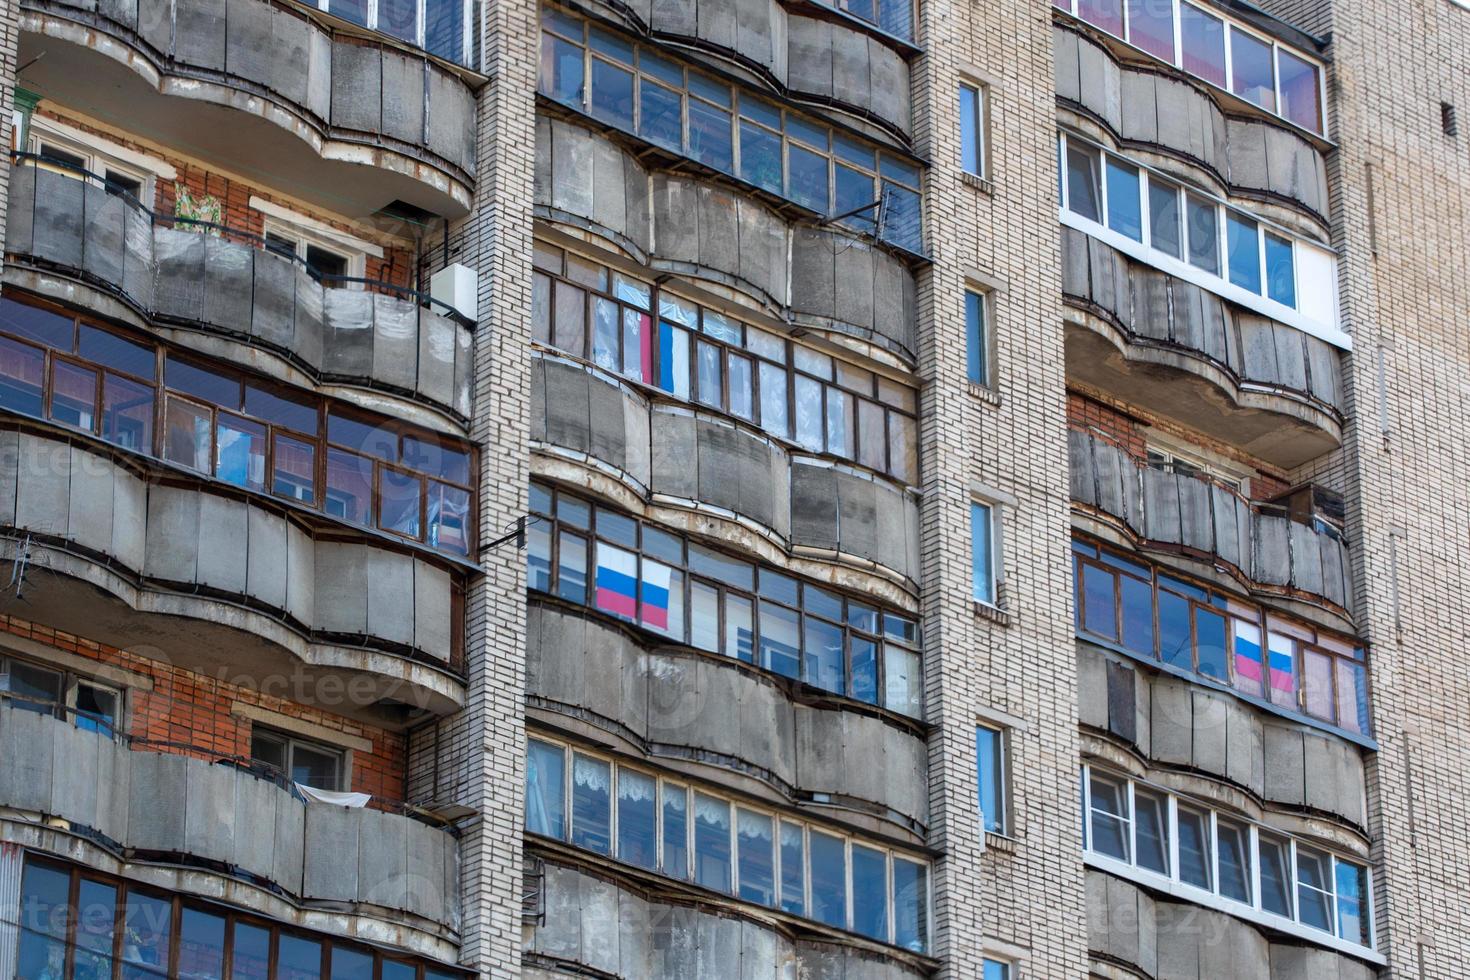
{"x": 977, "y": 338}
{"x": 735, "y": 849}
{"x": 993, "y": 969}
{"x": 441, "y": 27}
{"x": 726, "y": 128}
{"x": 1304, "y": 890}
{"x": 974, "y": 145}
{"x": 896, "y": 17}
{"x": 990, "y": 752}
{"x": 116, "y": 927}
{"x": 694, "y": 353}
{"x": 1169, "y": 460}
{"x": 329, "y": 261}
{"x": 1268, "y": 658}
{"x": 983, "y": 553}
{"x": 88, "y": 704}
{"x": 76, "y": 158}
{"x": 245, "y": 431}
{"x": 676, "y": 587}
{"x": 302, "y": 761}
{"x": 1154, "y": 219}
{"x": 1256, "y": 69}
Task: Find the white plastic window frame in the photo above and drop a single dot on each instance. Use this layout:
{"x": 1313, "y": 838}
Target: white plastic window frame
{"x": 96, "y": 156}
{"x": 421, "y": 32}
{"x": 1217, "y": 283}
{"x": 302, "y": 236}
{"x": 1253, "y": 911}
{"x": 981, "y": 122}
{"x": 1230, "y": 25}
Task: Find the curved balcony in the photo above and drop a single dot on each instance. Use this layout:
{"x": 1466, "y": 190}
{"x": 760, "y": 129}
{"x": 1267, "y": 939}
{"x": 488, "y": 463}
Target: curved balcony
{"x": 669, "y": 452}
{"x": 223, "y": 577}
{"x": 740, "y": 723}
{"x": 1154, "y": 106}
{"x": 1175, "y": 348}
{"x": 623, "y": 930}
{"x": 822, "y": 276}
{"x": 175, "y": 272}
{"x": 223, "y": 818}
{"x": 268, "y": 90}
{"x": 1172, "y": 512}
{"x": 1176, "y": 723}
{"x": 1129, "y": 925}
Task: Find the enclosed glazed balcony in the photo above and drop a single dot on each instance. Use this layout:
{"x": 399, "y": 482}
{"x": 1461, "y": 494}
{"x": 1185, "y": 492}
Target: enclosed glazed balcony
{"x": 230, "y": 283}
{"x": 228, "y": 817}
{"x": 284, "y": 94}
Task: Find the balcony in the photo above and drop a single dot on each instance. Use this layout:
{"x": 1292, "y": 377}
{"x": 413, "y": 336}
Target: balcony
{"x": 1266, "y": 549}
{"x": 187, "y": 806}
{"x": 209, "y": 575}
{"x": 271, "y": 90}
{"x": 222, "y": 281}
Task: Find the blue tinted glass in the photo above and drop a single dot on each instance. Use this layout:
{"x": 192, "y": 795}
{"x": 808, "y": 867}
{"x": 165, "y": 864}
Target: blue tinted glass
{"x": 757, "y": 857}
{"x": 660, "y": 115}
{"x": 977, "y": 353}
{"x": 854, "y": 190}
{"x": 780, "y": 587}
{"x": 710, "y": 139}
{"x": 561, "y": 70}
{"x": 546, "y": 770}
{"x": 676, "y": 831}
{"x": 901, "y": 221}
{"x": 202, "y": 947}
{"x": 637, "y": 819}
{"x": 149, "y": 923}
{"x": 298, "y": 958}
{"x": 711, "y": 842}
{"x": 591, "y": 803}
{"x": 828, "y": 879}
{"x": 612, "y": 94}
{"x": 982, "y": 555}
{"x": 42, "y": 326}
{"x": 780, "y": 646}
{"x": 793, "y": 869}
{"x": 1352, "y": 903}
{"x": 1125, "y": 213}
{"x": 808, "y": 178}
{"x": 1243, "y": 248}
{"x": 43, "y": 909}
{"x": 870, "y": 892}
{"x": 970, "y": 129}
{"x": 864, "y": 670}
{"x": 1099, "y": 607}
{"x": 996, "y": 970}
{"x": 823, "y": 649}
{"x": 1174, "y": 637}
{"x": 708, "y": 88}
{"x": 351, "y": 964}
{"x": 1138, "y": 615}
{"x": 910, "y": 905}
{"x": 1280, "y": 270}
{"x": 808, "y": 133}
{"x": 115, "y": 352}
{"x": 250, "y": 955}
{"x": 1210, "y": 635}
{"x": 760, "y": 157}
{"x": 991, "y": 768}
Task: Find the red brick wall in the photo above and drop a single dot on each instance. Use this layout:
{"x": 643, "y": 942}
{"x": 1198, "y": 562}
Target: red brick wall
{"x": 1117, "y": 427}
{"x": 193, "y": 709}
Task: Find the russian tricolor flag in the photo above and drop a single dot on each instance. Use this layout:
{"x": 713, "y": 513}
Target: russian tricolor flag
{"x": 656, "y": 580}
{"x": 1247, "y": 656}
{"x": 1283, "y": 664}
{"x": 617, "y": 581}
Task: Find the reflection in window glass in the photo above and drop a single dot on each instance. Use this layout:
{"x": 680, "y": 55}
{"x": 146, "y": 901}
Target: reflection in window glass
{"x": 149, "y": 924}
{"x": 44, "y": 893}
{"x": 774, "y": 418}
{"x": 982, "y": 553}
{"x": 1352, "y": 902}
{"x": 21, "y": 366}
{"x": 793, "y": 869}
{"x": 637, "y": 818}
{"x": 1151, "y": 27}
{"x": 977, "y": 339}
{"x": 1233, "y": 842}
{"x": 96, "y": 920}
{"x": 350, "y": 487}
{"x": 910, "y": 905}
{"x": 710, "y": 141}
{"x": 869, "y": 892}
{"x": 294, "y": 472}
{"x": 1194, "y": 846}
{"x": 73, "y": 395}
{"x": 809, "y": 413}
{"x": 1110, "y": 821}
{"x": 1084, "y": 192}
{"x": 780, "y": 640}
{"x": 1314, "y": 881}
{"x": 662, "y": 599}
{"x": 187, "y": 436}
{"x": 127, "y": 414}
{"x": 250, "y": 953}
{"x": 1275, "y": 875}
{"x": 903, "y": 681}
{"x": 1243, "y": 242}
{"x": 824, "y": 659}
{"x": 1280, "y": 271}
{"x": 828, "y": 857}
{"x": 757, "y": 857}
{"x": 760, "y": 156}
{"x": 864, "y": 668}
{"x": 239, "y": 455}
{"x": 990, "y": 756}
{"x": 1210, "y": 641}
{"x": 400, "y": 496}
{"x": 711, "y": 842}
{"x": 202, "y": 945}
{"x": 1107, "y": 14}
{"x": 1163, "y": 217}
{"x": 1125, "y": 212}
{"x": 676, "y": 831}
{"x": 660, "y": 115}
{"x": 591, "y": 803}
{"x": 1152, "y": 812}
{"x": 1301, "y": 92}
{"x": 351, "y": 964}
{"x": 1251, "y": 72}
{"x": 298, "y": 958}
{"x": 1202, "y": 217}
{"x": 1202, "y": 39}
{"x": 972, "y": 130}
{"x": 561, "y": 70}
{"x": 546, "y": 771}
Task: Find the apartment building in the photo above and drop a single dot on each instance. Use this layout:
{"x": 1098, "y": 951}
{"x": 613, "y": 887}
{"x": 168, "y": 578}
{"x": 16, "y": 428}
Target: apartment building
{"x": 732, "y": 489}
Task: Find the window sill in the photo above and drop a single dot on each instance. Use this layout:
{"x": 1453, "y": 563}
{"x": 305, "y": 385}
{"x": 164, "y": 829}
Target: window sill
{"x": 995, "y": 614}
{"x": 984, "y": 393}
{"x": 982, "y": 184}
{"x": 1004, "y": 843}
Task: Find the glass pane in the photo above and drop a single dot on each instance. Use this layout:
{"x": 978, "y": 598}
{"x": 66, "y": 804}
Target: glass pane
{"x": 779, "y": 637}
{"x": 571, "y": 567}
{"x": 704, "y": 617}
{"x": 44, "y": 893}
{"x": 591, "y": 803}
{"x": 676, "y": 831}
{"x": 865, "y": 670}
{"x": 353, "y": 10}
{"x": 202, "y": 944}
{"x": 1252, "y": 76}
{"x": 561, "y": 70}
{"x": 145, "y": 946}
{"x": 637, "y": 818}
{"x": 617, "y": 528}
{"x": 991, "y": 766}
{"x": 1275, "y": 876}
{"x": 1280, "y": 270}
{"x": 741, "y": 402}
{"x": 546, "y": 772}
{"x": 43, "y": 326}
{"x": 1204, "y": 234}
{"x": 774, "y": 417}
{"x": 73, "y": 395}
{"x": 903, "y": 681}
{"x": 250, "y": 954}
{"x": 1138, "y": 615}
{"x": 1281, "y": 653}
{"x": 313, "y": 767}
{"x": 363, "y": 437}
{"x": 1248, "y": 656}
{"x": 757, "y": 857}
{"x": 351, "y": 964}
{"x": 1235, "y": 860}
{"x": 203, "y": 383}
{"x": 569, "y": 329}
{"x": 449, "y": 518}
{"x": 1317, "y": 684}
{"x": 1352, "y": 902}
{"x": 612, "y": 94}
{"x": 1163, "y": 215}
{"x": 872, "y": 446}
{"x": 823, "y": 653}
{"x": 807, "y": 178}
{"x": 1194, "y": 847}
{"x": 396, "y": 970}
{"x": 1352, "y": 696}
{"x": 809, "y": 413}
{"x": 1099, "y": 605}
{"x": 540, "y": 308}
{"x": 605, "y": 333}
{"x": 760, "y": 156}
{"x": 187, "y": 435}
{"x": 109, "y": 349}
{"x": 662, "y": 595}
{"x": 721, "y": 567}
{"x": 710, "y": 140}
{"x": 1125, "y": 212}
{"x": 436, "y": 459}
{"x": 710, "y": 361}
{"x": 96, "y": 923}
{"x": 21, "y": 368}
{"x": 853, "y": 192}
{"x": 739, "y": 632}
{"x": 1107, "y": 14}
{"x": 444, "y": 32}
{"x": 1084, "y": 194}
{"x": 1202, "y": 39}
{"x": 127, "y": 413}
{"x": 637, "y": 345}
{"x": 673, "y": 359}
{"x": 1243, "y": 243}
{"x": 350, "y": 487}
{"x": 711, "y": 842}
{"x": 239, "y": 455}
{"x": 982, "y": 571}
{"x": 977, "y": 351}
{"x": 617, "y": 577}
{"x": 1151, "y": 27}
{"x": 910, "y": 905}
{"x": 294, "y": 473}
{"x": 1301, "y": 92}
{"x": 1152, "y": 812}
{"x": 793, "y": 869}
{"x": 970, "y": 129}
{"x": 870, "y": 892}
{"x": 277, "y": 409}
{"x": 538, "y": 555}
{"x": 828, "y": 879}
{"x": 1109, "y": 817}
{"x": 1210, "y": 638}
{"x": 298, "y": 958}
{"x": 400, "y": 498}
{"x": 1313, "y": 880}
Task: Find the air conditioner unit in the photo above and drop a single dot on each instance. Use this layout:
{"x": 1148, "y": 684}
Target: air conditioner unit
{"x": 457, "y": 287}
